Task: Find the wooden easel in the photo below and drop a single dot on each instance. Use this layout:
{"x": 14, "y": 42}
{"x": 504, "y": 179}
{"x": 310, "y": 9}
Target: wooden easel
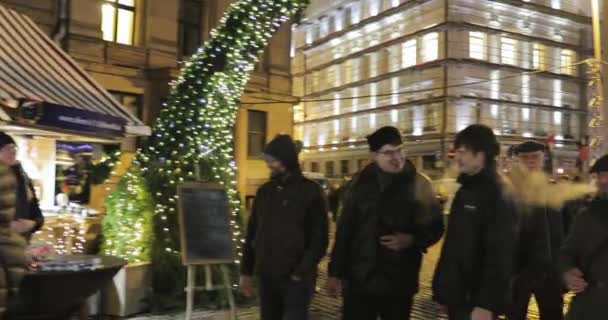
{"x": 191, "y": 288}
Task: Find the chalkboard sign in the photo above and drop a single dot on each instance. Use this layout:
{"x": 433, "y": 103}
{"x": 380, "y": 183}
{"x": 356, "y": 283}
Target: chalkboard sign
{"x": 206, "y": 235}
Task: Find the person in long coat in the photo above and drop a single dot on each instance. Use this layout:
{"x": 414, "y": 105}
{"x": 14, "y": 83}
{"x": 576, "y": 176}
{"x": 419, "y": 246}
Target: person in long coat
{"x": 584, "y": 255}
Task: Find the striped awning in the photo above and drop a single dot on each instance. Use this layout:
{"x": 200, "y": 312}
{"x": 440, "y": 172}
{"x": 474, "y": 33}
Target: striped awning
{"x": 34, "y": 68}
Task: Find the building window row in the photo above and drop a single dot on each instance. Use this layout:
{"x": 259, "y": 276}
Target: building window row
{"x": 345, "y": 168}
{"x": 515, "y": 52}
{"x": 394, "y": 58}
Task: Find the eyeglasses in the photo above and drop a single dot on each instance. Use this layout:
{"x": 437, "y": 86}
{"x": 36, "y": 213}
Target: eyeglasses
{"x": 392, "y": 153}
{"x": 9, "y": 147}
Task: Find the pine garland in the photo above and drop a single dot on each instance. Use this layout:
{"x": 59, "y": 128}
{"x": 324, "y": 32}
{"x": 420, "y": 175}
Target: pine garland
{"x": 194, "y": 130}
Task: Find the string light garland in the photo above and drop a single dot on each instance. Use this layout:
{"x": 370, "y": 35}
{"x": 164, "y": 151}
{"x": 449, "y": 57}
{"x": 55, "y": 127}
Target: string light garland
{"x": 192, "y": 139}
{"x": 102, "y": 171}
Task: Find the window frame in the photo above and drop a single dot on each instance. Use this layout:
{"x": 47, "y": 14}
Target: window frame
{"x": 264, "y": 134}
{"x": 184, "y": 24}
{"x": 478, "y": 36}
{"x": 430, "y": 41}
{"x": 117, "y": 7}
{"x": 541, "y": 56}
{"x": 504, "y": 42}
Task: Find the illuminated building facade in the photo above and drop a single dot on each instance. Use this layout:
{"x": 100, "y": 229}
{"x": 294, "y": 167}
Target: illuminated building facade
{"x": 433, "y": 67}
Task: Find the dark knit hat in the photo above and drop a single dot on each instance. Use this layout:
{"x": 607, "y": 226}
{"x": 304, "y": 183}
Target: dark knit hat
{"x": 283, "y": 149}
{"x": 478, "y": 138}
{"x": 601, "y": 165}
{"x": 529, "y": 146}
{"x": 383, "y": 136}
{"x": 5, "y": 139}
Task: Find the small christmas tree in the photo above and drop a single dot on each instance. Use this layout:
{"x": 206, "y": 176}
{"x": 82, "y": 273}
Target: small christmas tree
{"x": 194, "y": 133}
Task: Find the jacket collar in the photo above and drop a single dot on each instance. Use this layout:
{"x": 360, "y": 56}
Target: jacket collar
{"x": 373, "y": 174}
{"x": 288, "y": 178}
{"x": 483, "y": 177}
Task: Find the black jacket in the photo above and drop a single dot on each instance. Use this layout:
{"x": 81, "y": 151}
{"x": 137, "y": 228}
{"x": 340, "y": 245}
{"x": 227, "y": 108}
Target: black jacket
{"x": 586, "y": 248}
{"x": 477, "y": 260}
{"x": 27, "y": 205}
{"x": 535, "y": 255}
{"x": 372, "y": 208}
{"x": 288, "y": 229}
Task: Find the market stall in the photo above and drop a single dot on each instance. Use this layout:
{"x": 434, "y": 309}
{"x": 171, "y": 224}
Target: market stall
{"x": 61, "y": 120}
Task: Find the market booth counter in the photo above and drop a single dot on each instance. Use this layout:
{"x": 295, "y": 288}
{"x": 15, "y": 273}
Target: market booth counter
{"x": 60, "y": 118}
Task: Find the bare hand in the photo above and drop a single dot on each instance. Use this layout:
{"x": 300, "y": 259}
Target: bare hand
{"x": 334, "y": 286}
{"x": 481, "y": 314}
{"x": 397, "y": 241}
{"x": 246, "y": 285}
{"x": 574, "y": 280}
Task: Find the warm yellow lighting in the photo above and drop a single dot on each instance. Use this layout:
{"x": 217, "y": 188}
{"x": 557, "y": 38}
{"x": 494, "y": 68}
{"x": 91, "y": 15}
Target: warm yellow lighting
{"x": 125, "y": 27}
{"x": 117, "y": 21}
{"x": 107, "y": 21}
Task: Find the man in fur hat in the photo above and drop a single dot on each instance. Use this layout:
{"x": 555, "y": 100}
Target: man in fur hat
{"x": 540, "y": 237}
{"x": 389, "y": 218}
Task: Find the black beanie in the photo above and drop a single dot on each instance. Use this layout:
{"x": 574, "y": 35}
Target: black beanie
{"x": 601, "y": 165}
{"x": 383, "y": 136}
{"x": 283, "y": 148}
{"x": 5, "y": 139}
{"x": 529, "y": 146}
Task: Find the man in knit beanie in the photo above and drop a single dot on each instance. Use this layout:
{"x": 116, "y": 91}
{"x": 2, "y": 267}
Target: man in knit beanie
{"x": 287, "y": 236}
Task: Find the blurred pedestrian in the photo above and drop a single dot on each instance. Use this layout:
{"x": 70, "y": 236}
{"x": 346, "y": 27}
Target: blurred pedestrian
{"x": 287, "y": 236}
{"x": 472, "y": 278}
{"x": 28, "y": 216}
{"x": 12, "y": 246}
{"x": 540, "y": 237}
{"x": 390, "y": 217}
{"x": 584, "y": 256}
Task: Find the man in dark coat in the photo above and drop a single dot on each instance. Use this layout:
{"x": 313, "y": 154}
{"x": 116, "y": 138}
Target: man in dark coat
{"x": 472, "y": 278}
{"x": 541, "y": 235}
{"x": 584, "y": 255}
{"x": 287, "y": 236}
{"x": 389, "y": 218}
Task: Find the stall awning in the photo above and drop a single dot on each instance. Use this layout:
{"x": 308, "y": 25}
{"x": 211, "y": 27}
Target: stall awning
{"x": 50, "y": 89}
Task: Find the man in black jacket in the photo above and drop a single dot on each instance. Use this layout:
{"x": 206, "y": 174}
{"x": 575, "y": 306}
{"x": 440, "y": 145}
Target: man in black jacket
{"x": 389, "y": 218}
{"x": 584, "y": 255}
{"x": 286, "y": 238}
{"x": 475, "y": 268}
{"x": 541, "y": 235}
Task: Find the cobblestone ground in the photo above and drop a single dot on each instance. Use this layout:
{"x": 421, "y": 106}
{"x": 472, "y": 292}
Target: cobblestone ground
{"x": 327, "y": 308}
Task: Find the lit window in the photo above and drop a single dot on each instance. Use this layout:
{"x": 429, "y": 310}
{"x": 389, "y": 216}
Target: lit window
{"x": 557, "y": 117}
{"x": 525, "y": 88}
{"x": 507, "y": 50}
{"x": 557, "y": 92}
{"x": 567, "y": 61}
{"x": 118, "y": 20}
{"x": 495, "y": 84}
{"x": 430, "y": 43}
{"x": 393, "y": 60}
{"x": 538, "y": 57}
{"x": 556, "y": 4}
{"x": 408, "y": 57}
{"x": 374, "y": 7}
{"x": 394, "y": 90}
{"x": 477, "y": 45}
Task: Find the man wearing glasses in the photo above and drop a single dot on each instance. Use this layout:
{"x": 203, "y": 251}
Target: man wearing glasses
{"x": 389, "y": 218}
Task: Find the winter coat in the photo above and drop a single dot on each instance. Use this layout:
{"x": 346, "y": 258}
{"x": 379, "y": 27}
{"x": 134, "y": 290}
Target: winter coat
{"x": 533, "y": 262}
{"x": 372, "y": 209}
{"x": 287, "y": 233}
{"x": 27, "y": 206}
{"x": 12, "y": 245}
{"x": 477, "y": 260}
{"x": 586, "y": 248}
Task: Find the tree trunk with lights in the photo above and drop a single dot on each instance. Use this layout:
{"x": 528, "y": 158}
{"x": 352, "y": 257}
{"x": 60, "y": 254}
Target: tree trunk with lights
{"x": 194, "y": 133}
